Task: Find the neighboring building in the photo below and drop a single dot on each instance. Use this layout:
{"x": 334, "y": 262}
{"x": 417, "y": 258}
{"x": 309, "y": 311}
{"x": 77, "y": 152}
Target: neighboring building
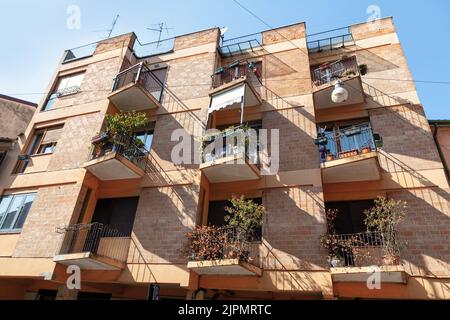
{"x": 441, "y": 135}
{"x": 121, "y": 215}
{"x": 15, "y": 115}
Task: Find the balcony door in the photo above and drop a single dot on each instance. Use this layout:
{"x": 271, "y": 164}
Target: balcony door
{"x": 350, "y": 217}
{"x": 117, "y": 213}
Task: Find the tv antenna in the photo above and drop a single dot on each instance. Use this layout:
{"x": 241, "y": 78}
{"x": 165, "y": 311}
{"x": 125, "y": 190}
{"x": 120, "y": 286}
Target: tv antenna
{"x": 110, "y": 30}
{"x": 160, "y": 27}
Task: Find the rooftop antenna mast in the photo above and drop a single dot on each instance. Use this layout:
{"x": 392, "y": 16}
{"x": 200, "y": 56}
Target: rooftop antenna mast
{"x": 160, "y": 27}
{"x": 110, "y": 31}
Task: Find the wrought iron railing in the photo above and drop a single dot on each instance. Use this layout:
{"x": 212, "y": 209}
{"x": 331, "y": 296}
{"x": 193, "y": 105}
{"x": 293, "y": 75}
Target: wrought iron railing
{"x": 95, "y": 238}
{"x": 224, "y": 243}
{"x": 345, "y": 142}
{"x": 237, "y": 140}
{"x": 329, "y": 40}
{"x": 326, "y": 73}
{"x": 365, "y": 249}
{"x": 124, "y": 146}
{"x": 225, "y": 75}
{"x": 139, "y": 74}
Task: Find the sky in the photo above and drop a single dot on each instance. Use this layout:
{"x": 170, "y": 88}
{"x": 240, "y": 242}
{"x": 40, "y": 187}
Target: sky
{"x": 34, "y": 34}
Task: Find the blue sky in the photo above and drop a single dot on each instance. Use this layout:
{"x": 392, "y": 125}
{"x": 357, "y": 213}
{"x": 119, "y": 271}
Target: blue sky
{"x": 34, "y": 34}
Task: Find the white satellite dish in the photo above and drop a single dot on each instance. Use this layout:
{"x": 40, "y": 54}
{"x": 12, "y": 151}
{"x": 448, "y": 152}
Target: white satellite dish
{"x": 223, "y": 31}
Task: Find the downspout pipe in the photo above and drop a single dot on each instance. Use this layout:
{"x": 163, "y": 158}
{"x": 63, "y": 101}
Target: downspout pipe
{"x": 441, "y": 154}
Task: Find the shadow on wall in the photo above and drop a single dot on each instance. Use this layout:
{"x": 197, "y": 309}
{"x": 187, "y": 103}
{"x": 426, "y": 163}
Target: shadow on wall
{"x": 405, "y": 131}
{"x": 163, "y": 217}
{"x": 426, "y": 225}
{"x": 294, "y": 222}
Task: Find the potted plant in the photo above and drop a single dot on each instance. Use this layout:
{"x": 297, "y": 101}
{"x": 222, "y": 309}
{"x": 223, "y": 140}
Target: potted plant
{"x": 362, "y": 69}
{"x": 366, "y": 149}
{"x": 122, "y": 126}
{"x": 348, "y": 73}
{"x": 329, "y": 156}
{"x": 246, "y": 216}
{"x": 383, "y": 218}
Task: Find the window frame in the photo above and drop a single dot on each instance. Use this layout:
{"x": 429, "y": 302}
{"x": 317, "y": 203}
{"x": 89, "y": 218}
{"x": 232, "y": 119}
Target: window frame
{"x": 57, "y": 92}
{"x": 18, "y": 213}
{"x": 147, "y": 132}
{"x": 36, "y": 146}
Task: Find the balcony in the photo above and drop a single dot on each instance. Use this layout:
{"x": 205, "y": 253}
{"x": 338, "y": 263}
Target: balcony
{"x": 355, "y": 254}
{"x": 349, "y": 154}
{"x": 329, "y": 40}
{"x": 136, "y": 88}
{"x": 235, "y": 87}
{"x": 93, "y": 247}
{"x": 226, "y": 156}
{"x": 325, "y": 76}
{"x": 222, "y": 251}
{"x": 116, "y": 158}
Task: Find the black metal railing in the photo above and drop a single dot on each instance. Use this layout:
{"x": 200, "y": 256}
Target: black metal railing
{"x": 345, "y": 142}
{"x": 139, "y": 74}
{"x": 225, "y": 75}
{"x": 326, "y": 73}
{"x": 365, "y": 249}
{"x": 241, "y": 45}
{"x": 230, "y": 142}
{"x": 225, "y": 243}
{"x": 125, "y": 146}
{"x": 329, "y": 40}
{"x": 95, "y": 238}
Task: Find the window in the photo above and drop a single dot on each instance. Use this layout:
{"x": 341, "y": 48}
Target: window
{"x": 66, "y": 85}
{"x": 44, "y": 142}
{"x": 154, "y": 87}
{"x": 14, "y": 210}
{"x": 146, "y": 137}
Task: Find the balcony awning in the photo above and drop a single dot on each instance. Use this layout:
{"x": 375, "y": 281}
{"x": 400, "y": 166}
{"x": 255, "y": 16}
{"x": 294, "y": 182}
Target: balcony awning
{"x": 232, "y": 96}
{"x": 227, "y": 98}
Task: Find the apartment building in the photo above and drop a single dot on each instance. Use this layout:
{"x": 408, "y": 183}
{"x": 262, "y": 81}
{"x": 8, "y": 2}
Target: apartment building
{"x": 15, "y": 114}
{"x": 350, "y": 129}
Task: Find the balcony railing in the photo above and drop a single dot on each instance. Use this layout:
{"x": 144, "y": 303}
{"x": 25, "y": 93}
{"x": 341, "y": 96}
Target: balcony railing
{"x": 225, "y": 75}
{"x": 326, "y": 73}
{"x": 142, "y": 75}
{"x": 217, "y": 243}
{"x": 124, "y": 146}
{"x": 365, "y": 249}
{"x": 345, "y": 142}
{"x": 329, "y": 40}
{"x": 231, "y": 142}
{"x": 241, "y": 45}
{"x": 95, "y": 238}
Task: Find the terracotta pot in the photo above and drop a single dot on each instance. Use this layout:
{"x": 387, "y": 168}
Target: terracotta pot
{"x": 366, "y": 150}
{"x": 330, "y": 157}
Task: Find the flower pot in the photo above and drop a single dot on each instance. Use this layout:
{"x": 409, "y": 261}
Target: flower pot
{"x": 336, "y": 262}
{"x": 366, "y": 150}
{"x": 330, "y": 157}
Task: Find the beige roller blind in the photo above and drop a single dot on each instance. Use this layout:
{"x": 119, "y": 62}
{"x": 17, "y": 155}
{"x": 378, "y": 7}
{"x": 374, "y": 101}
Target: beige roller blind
{"x": 52, "y": 135}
